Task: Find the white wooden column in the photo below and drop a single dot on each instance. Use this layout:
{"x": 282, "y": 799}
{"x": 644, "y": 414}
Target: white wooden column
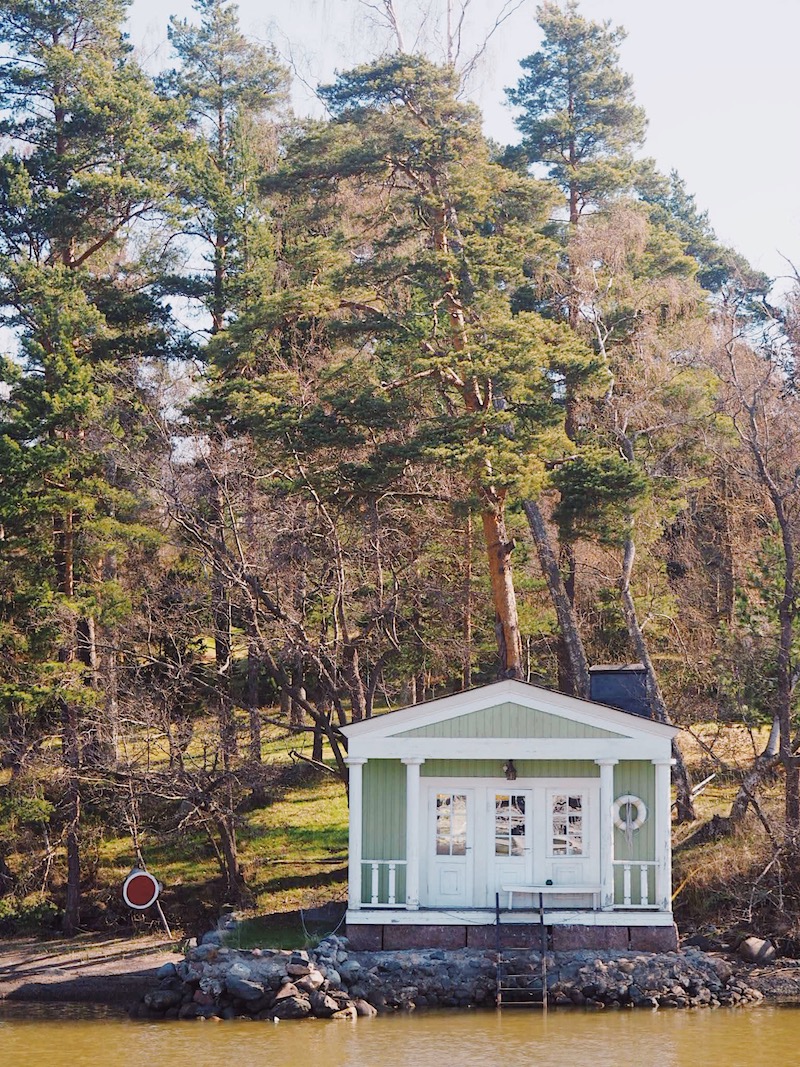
{"x": 663, "y": 817}
{"x": 355, "y": 796}
{"x": 606, "y": 832}
{"x": 413, "y": 764}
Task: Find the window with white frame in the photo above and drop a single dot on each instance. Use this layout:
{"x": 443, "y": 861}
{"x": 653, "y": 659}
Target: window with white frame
{"x": 567, "y": 824}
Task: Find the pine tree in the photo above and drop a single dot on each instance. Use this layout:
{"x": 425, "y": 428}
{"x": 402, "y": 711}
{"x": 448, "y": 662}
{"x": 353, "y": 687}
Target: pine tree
{"x": 426, "y": 244}
{"x": 229, "y": 86}
{"x": 90, "y": 147}
{"x": 579, "y": 118}
{"x": 580, "y": 123}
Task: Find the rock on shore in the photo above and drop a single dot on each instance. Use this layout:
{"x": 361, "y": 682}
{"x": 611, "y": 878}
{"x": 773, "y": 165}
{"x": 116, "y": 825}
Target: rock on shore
{"x": 215, "y": 981}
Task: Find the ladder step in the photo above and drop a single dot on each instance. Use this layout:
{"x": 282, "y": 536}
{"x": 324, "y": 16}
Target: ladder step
{"x": 519, "y": 989}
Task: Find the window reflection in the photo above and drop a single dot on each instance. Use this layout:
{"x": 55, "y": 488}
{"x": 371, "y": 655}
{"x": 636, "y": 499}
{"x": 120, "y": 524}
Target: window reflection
{"x": 567, "y": 824}
{"x": 451, "y": 824}
{"x": 509, "y": 824}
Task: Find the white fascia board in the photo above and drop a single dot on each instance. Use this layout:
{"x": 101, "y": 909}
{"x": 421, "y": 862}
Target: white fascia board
{"x": 530, "y": 696}
{"x": 518, "y": 748}
{"x": 486, "y": 917}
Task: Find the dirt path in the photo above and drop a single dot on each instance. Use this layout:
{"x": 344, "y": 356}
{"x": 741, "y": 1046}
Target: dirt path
{"x": 90, "y": 968}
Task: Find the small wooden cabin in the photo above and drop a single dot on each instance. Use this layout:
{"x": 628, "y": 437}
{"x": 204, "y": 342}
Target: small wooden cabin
{"x": 515, "y": 806}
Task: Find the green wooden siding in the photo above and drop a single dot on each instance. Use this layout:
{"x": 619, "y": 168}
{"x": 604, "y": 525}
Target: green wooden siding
{"x": 384, "y": 805}
{"x": 636, "y": 778}
{"x": 384, "y": 836}
{"x": 476, "y": 768}
{"x": 508, "y": 720}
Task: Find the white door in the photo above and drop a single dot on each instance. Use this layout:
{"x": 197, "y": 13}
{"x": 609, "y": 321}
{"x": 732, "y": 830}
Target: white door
{"x": 449, "y": 846}
{"x": 510, "y": 824}
{"x": 571, "y": 853}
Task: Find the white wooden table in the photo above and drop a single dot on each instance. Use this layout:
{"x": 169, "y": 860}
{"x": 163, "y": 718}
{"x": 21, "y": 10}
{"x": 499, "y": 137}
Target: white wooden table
{"x": 553, "y": 890}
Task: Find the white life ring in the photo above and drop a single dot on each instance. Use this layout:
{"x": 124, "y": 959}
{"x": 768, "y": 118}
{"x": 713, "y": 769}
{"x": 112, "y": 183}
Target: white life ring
{"x": 625, "y": 823}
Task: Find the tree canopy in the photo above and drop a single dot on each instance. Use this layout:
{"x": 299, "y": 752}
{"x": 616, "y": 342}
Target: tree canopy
{"x": 302, "y": 419}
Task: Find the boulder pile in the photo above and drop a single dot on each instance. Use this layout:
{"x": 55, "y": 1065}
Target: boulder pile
{"x": 689, "y": 979}
{"x": 218, "y": 982}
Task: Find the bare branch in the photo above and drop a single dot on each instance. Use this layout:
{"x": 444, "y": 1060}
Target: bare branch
{"x": 387, "y": 14}
{"x": 509, "y": 8}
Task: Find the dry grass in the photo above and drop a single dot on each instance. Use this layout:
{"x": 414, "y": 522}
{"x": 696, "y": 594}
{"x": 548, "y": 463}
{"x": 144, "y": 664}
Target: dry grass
{"x": 724, "y": 749}
{"x": 741, "y": 879}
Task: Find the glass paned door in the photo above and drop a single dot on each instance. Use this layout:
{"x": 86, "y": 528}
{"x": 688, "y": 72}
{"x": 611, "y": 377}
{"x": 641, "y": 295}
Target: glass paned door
{"x": 449, "y": 859}
{"x": 509, "y": 824}
{"x": 571, "y": 846}
{"x": 510, "y": 861}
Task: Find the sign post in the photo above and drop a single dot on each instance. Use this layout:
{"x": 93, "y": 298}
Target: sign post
{"x": 140, "y": 891}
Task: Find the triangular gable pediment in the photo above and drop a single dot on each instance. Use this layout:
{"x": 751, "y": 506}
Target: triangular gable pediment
{"x": 508, "y": 709}
{"x": 509, "y": 719}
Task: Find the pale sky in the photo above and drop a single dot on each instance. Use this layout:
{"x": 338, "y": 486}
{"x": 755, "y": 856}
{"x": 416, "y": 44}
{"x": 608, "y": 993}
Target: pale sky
{"x": 717, "y": 79}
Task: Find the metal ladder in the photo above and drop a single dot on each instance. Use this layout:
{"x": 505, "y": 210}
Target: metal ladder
{"x": 518, "y": 984}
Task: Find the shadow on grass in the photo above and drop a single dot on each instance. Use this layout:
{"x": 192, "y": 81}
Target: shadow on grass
{"x": 317, "y": 880}
{"x": 288, "y": 929}
{"x": 324, "y": 839}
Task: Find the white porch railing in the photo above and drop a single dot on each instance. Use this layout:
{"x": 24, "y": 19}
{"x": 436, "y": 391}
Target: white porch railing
{"x": 382, "y": 882}
{"x": 637, "y": 881}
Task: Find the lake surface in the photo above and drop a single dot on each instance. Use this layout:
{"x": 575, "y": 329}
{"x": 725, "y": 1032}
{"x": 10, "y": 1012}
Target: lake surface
{"x": 746, "y": 1037}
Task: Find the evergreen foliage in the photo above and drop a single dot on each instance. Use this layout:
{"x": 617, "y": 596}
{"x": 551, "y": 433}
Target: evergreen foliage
{"x": 579, "y": 119}
{"x": 306, "y": 505}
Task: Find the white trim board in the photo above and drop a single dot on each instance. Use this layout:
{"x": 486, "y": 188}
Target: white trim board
{"x": 486, "y": 917}
{"x": 518, "y": 748}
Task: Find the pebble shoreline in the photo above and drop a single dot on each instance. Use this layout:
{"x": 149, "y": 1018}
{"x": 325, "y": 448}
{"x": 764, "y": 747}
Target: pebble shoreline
{"x": 215, "y": 981}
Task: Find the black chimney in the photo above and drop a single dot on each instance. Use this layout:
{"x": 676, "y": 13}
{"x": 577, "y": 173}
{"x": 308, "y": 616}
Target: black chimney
{"x": 621, "y": 686}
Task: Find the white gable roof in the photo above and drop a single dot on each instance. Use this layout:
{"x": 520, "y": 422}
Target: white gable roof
{"x": 401, "y": 734}
{"x": 535, "y": 697}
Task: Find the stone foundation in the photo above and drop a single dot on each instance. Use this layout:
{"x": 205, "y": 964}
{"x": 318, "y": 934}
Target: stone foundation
{"x": 335, "y": 982}
{"x": 396, "y": 936}
{"x": 451, "y": 938}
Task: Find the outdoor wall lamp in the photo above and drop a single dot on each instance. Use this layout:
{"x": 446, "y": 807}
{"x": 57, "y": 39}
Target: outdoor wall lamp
{"x": 510, "y": 771}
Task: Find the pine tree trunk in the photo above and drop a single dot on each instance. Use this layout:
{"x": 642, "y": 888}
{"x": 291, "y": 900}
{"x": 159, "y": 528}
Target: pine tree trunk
{"x": 63, "y": 557}
{"x": 475, "y": 396}
{"x": 317, "y": 750}
{"x": 498, "y": 549}
{"x": 786, "y": 616}
{"x": 680, "y": 773}
{"x": 110, "y": 676}
{"x": 70, "y": 747}
{"x": 351, "y": 670}
{"x": 577, "y": 681}
{"x": 297, "y": 715}
{"x": 223, "y": 641}
{"x": 466, "y": 670}
{"x": 763, "y": 764}
{"x": 234, "y": 882}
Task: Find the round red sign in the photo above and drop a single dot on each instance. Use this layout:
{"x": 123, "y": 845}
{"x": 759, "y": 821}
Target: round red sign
{"x": 140, "y": 890}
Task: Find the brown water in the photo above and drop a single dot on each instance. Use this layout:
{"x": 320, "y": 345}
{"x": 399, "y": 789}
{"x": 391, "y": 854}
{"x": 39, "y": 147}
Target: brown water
{"x": 747, "y": 1037}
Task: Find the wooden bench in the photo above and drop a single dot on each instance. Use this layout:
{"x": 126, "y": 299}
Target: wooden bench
{"x": 554, "y": 890}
